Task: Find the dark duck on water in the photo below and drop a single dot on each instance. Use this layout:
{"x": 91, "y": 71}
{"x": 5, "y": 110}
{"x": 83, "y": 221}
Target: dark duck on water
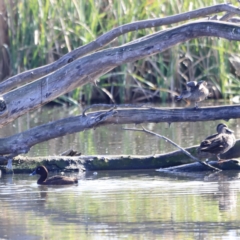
{"x": 220, "y": 142}
{"x": 196, "y": 93}
{"x": 55, "y": 180}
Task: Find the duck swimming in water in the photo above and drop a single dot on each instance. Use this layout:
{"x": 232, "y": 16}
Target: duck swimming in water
{"x": 197, "y": 92}
{"x": 220, "y": 142}
{"x": 55, "y": 180}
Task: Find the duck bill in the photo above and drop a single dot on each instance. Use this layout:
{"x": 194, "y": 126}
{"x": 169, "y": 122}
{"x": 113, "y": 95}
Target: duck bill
{"x": 33, "y": 173}
{"x": 228, "y": 130}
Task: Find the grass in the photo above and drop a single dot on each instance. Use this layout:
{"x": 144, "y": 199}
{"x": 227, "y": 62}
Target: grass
{"x": 43, "y": 30}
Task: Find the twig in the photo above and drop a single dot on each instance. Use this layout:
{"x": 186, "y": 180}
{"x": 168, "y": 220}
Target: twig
{"x": 174, "y": 144}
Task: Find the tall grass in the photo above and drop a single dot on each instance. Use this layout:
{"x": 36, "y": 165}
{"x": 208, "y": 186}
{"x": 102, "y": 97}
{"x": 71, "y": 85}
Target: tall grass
{"x": 43, "y": 30}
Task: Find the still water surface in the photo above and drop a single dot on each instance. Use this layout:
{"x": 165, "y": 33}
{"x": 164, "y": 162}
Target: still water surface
{"x": 120, "y": 205}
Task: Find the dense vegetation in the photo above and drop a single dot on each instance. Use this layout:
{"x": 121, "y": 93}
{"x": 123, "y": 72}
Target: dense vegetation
{"x": 41, "y": 31}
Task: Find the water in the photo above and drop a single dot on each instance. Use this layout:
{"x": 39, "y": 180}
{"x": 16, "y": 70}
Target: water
{"x": 122, "y": 205}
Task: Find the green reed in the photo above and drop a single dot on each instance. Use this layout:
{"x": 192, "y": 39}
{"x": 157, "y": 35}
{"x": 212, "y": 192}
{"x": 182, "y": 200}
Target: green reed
{"x": 43, "y": 30}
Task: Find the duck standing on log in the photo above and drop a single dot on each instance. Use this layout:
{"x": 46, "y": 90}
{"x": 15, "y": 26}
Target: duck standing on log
{"x": 220, "y": 142}
{"x": 196, "y": 93}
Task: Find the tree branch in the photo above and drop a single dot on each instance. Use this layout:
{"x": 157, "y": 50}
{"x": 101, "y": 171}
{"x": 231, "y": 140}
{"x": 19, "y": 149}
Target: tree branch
{"x": 22, "y": 142}
{"x": 86, "y": 69}
{"x": 100, "y": 42}
{"x": 157, "y": 115}
{"x": 174, "y": 144}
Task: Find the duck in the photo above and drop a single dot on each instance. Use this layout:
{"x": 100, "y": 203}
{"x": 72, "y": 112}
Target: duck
{"x": 220, "y": 142}
{"x": 196, "y": 93}
{"x": 55, "y": 180}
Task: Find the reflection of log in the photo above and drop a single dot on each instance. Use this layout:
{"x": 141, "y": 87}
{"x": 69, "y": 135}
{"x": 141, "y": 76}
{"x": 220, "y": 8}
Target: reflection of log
{"x": 110, "y": 162}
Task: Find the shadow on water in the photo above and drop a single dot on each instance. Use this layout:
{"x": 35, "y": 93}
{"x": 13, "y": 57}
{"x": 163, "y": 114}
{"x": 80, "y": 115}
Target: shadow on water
{"x": 122, "y": 204}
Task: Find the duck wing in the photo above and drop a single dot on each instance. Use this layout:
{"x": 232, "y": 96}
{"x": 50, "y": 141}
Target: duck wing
{"x": 213, "y": 144}
{"x": 192, "y": 84}
{"x": 60, "y": 180}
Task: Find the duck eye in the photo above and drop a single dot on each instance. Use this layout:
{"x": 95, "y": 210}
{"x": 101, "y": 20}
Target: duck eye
{"x": 38, "y": 169}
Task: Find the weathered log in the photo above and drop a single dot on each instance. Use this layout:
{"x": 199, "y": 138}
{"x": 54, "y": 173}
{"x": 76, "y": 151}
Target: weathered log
{"x": 110, "y": 162}
{"x": 22, "y": 142}
{"x": 101, "y": 41}
{"x": 86, "y": 69}
{"x": 232, "y": 164}
{"x": 94, "y": 163}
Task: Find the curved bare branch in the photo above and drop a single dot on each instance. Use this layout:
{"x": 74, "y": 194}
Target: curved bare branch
{"x": 88, "y": 68}
{"x": 100, "y": 42}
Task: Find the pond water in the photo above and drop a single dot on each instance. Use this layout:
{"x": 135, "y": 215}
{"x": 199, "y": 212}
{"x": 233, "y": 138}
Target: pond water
{"x": 120, "y": 204}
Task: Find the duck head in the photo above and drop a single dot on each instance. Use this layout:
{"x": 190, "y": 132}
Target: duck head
{"x": 202, "y": 84}
{"x": 222, "y": 128}
{"x": 42, "y": 171}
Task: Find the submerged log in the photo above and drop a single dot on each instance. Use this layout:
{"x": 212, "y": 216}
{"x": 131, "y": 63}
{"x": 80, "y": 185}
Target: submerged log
{"x": 95, "y": 163}
{"x": 23, "y": 164}
{"x": 232, "y": 164}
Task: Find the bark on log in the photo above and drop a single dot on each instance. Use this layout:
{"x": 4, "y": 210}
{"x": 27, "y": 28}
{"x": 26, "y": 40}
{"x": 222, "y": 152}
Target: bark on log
{"x": 22, "y": 142}
{"x": 109, "y": 162}
{"x": 94, "y": 163}
{"x": 232, "y": 164}
{"x": 100, "y": 42}
{"x": 85, "y": 70}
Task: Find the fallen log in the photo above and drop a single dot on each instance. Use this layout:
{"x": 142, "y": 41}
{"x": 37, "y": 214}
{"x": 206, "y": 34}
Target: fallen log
{"x": 23, "y": 164}
{"x": 232, "y": 164}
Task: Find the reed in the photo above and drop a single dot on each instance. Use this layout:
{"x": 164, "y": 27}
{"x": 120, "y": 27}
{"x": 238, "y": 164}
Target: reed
{"x": 43, "y": 30}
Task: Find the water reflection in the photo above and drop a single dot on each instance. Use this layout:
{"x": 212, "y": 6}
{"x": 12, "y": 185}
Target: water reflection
{"x": 122, "y": 205}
